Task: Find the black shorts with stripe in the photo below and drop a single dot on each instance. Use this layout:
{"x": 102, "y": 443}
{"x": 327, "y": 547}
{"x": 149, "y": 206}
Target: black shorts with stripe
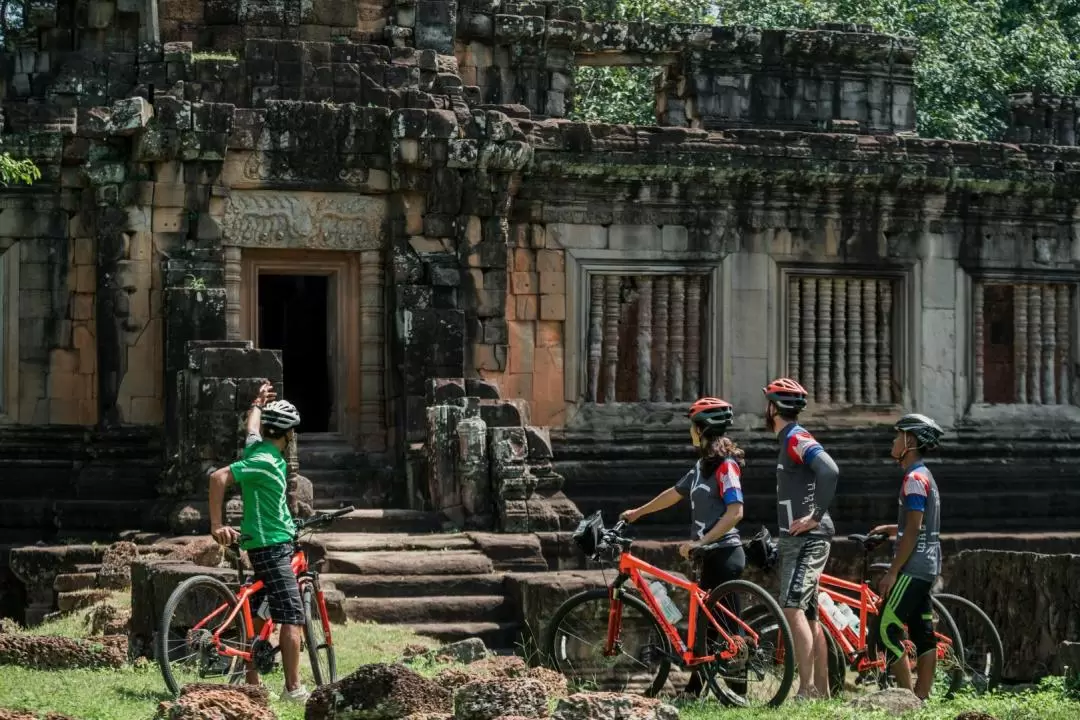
{"x": 273, "y": 566}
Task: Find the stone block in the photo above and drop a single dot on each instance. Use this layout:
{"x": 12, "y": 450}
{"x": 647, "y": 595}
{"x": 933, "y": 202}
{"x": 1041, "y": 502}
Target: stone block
{"x": 550, "y": 261}
{"x": 553, "y": 283}
{"x": 634, "y": 237}
{"x": 938, "y": 284}
{"x": 524, "y": 283}
{"x": 583, "y": 237}
{"x": 522, "y": 346}
{"x": 553, "y": 307}
{"x": 526, "y": 307}
{"x": 170, "y": 220}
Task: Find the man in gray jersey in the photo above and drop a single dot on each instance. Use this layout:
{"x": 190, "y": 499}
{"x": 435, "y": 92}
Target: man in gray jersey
{"x": 917, "y": 558}
{"x": 805, "y": 484}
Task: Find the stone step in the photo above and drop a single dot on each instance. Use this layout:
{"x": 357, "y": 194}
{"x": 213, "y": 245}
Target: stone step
{"x": 441, "y": 609}
{"x": 379, "y": 520}
{"x": 70, "y": 582}
{"x": 448, "y": 562}
{"x": 497, "y": 636}
{"x": 336, "y": 503}
{"x": 80, "y": 599}
{"x": 390, "y": 542}
{"x": 412, "y": 586}
{"x": 326, "y": 456}
{"x": 512, "y": 552}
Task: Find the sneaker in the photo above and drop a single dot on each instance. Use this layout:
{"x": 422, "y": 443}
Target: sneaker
{"x": 299, "y": 696}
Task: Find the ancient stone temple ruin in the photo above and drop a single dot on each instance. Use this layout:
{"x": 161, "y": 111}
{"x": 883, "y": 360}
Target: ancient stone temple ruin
{"x": 494, "y": 317}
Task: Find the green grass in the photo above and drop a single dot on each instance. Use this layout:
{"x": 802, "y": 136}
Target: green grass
{"x": 133, "y": 693}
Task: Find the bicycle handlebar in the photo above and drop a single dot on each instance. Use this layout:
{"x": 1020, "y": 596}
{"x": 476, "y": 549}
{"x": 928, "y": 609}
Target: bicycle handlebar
{"x": 313, "y": 521}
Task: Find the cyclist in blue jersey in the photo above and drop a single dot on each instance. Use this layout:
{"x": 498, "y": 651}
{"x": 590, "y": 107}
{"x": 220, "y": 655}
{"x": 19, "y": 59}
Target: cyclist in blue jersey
{"x": 806, "y": 478}
{"x": 916, "y": 560}
{"x": 714, "y": 487}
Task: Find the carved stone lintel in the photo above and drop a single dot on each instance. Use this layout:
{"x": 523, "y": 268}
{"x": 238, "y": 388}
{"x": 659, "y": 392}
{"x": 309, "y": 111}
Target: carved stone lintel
{"x": 809, "y": 335}
{"x": 1020, "y": 335}
{"x": 840, "y": 340}
{"x": 979, "y": 341}
{"x": 794, "y": 325}
{"x": 612, "y": 291}
{"x": 1064, "y": 333}
{"x": 693, "y": 335}
{"x": 869, "y": 336}
{"x": 1049, "y": 344}
{"x": 644, "y": 338}
{"x": 824, "y": 340}
{"x": 323, "y": 221}
{"x": 884, "y": 328}
{"x": 854, "y": 344}
{"x": 661, "y": 294}
{"x": 1035, "y": 339}
{"x": 677, "y": 338}
{"x": 596, "y": 334}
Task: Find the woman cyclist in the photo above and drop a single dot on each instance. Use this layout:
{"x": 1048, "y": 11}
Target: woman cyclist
{"x": 716, "y": 501}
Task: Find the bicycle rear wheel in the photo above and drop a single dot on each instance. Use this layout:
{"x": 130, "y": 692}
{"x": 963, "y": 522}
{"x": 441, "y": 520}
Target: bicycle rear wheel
{"x": 984, "y": 653}
{"x": 184, "y": 643}
{"x": 320, "y": 651}
{"x": 762, "y": 672}
{"x": 949, "y": 670}
{"x": 575, "y": 646}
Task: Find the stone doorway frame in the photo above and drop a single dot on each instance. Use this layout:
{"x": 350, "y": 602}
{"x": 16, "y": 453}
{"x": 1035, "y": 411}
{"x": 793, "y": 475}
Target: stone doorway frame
{"x": 343, "y": 272}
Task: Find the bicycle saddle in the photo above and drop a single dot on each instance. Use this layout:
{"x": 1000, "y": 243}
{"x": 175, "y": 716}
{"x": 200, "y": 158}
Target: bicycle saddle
{"x": 880, "y": 566}
{"x": 869, "y": 542}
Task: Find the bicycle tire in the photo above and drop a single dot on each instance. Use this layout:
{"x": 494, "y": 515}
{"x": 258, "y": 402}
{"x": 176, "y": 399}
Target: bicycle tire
{"x": 838, "y": 666}
{"x": 161, "y": 647}
{"x": 602, "y": 595}
{"x": 992, "y": 673}
{"x": 779, "y": 623}
{"x": 315, "y": 639}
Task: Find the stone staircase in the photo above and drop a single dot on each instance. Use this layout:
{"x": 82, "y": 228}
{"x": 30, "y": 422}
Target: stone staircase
{"x": 341, "y": 476}
{"x": 446, "y": 586}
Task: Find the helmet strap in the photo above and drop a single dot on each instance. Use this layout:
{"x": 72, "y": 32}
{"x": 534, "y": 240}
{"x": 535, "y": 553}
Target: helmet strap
{"x": 907, "y": 449}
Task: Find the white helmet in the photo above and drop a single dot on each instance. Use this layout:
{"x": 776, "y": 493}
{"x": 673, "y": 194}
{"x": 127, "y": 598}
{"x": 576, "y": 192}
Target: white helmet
{"x": 280, "y": 414}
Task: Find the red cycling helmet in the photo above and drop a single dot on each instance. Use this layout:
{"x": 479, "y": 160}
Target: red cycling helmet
{"x": 711, "y": 413}
{"x": 786, "y": 394}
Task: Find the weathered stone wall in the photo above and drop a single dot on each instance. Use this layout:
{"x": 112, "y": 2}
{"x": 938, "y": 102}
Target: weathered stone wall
{"x": 1042, "y": 118}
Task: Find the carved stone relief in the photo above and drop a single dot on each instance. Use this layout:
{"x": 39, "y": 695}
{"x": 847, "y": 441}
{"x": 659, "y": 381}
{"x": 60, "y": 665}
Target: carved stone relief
{"x": 304, "y": 220}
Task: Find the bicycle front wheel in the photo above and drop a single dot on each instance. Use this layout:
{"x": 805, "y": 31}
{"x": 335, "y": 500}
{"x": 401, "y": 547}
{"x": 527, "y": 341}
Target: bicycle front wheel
{"x": 984, "y": 653}
{"x": 763, "y": 668}
{"x": 320, "y": 650}
{"x": 185, "y": 646}
{"x": 577, "y": 645}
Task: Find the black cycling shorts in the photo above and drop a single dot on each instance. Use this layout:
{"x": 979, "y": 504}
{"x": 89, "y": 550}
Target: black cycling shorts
{"x": 908, "y": 604}
{"x": 273, "y": 566}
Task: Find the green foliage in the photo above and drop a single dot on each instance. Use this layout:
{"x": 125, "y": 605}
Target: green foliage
{"x": 17, "y": 171}
{"x": 972, "y": 52}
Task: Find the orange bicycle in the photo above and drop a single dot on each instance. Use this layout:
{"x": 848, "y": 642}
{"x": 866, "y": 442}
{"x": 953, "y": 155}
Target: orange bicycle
{"x": 637, "y": 637}
{"x": 199, "y": 641}
{"x": 851, "y": 629}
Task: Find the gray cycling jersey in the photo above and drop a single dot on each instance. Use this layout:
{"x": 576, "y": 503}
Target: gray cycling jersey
{"x": 919, "y": 492}
{"x": 805, "y": 481}
{"x": 710, "y": 494}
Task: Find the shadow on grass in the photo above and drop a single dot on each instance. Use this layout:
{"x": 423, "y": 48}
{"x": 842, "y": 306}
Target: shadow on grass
{"x": 154, "y": 696}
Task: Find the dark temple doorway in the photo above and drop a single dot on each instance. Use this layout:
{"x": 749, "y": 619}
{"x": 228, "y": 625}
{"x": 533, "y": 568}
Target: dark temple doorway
{"x": 294, "y": 315}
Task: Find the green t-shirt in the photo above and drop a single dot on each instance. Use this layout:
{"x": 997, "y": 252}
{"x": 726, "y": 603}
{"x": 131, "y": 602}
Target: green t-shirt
{"x": 261, "y": 477}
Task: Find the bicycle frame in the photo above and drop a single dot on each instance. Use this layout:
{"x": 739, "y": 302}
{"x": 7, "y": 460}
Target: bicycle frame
{"x": 303, "y": 575}
{"x": 867, "y": 603}
{"x": 633, "y": 569}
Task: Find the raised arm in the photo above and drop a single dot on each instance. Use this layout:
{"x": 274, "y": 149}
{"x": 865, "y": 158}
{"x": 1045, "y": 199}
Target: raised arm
{"x": 663, "y": 501}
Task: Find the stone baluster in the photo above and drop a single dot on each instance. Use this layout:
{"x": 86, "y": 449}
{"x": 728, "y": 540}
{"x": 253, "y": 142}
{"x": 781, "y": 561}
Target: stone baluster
{"x": 854, "y": 343}
{"x": 870, "y": 355}
{"x": 612, "y": 289}
{"x": 884, "y": 378}
{"x": 840, "y": 340}
{"x": 661, "y": 296}
{"x": 1020, "y": 335}
{"x": 979, "y": 341}
{"x": 824, "y": 342}
{"x": 809, "y": 334}
{"x": 794, "y": 325}
{"x": 677, "y": 338}
{"x": 1063, "y": 334}
{"x": 1034, "y": 375}
{"x": 233, "y": 270}
{"x": 596, "y": 334}
{"x": 693, "y": 335}
{"x": 1049, "y": 344}
{"x": 644, "y": 338}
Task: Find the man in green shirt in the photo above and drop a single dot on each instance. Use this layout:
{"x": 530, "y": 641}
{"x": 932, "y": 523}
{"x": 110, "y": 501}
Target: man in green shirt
{"x": 267, "y": 529}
